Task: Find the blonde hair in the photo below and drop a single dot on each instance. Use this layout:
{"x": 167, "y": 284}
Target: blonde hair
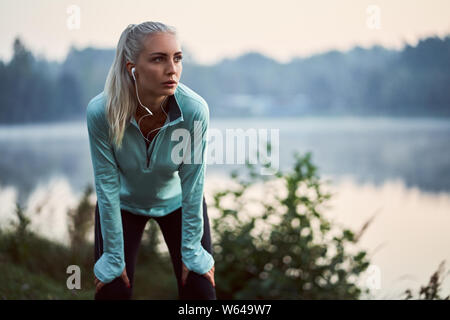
{"x": 121, "y": 99}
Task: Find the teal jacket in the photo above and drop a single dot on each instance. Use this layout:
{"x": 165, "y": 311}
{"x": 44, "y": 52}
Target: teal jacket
{"x": 151, "y": 182}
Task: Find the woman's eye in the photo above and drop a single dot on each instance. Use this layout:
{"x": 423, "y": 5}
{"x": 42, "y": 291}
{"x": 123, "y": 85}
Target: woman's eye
{"x": 159, "y": 58}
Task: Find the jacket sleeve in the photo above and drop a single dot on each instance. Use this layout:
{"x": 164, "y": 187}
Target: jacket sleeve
{"x": 192, "y": 175}
{"x": 107, "y": 185}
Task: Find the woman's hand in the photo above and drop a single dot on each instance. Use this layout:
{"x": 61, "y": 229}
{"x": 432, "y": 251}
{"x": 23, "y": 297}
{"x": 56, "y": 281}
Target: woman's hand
{"x": 209, "y": 275}
{"x": 99, "y": 284}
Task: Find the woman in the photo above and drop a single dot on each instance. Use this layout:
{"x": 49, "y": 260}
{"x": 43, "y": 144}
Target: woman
{"x": 140, "y": 132}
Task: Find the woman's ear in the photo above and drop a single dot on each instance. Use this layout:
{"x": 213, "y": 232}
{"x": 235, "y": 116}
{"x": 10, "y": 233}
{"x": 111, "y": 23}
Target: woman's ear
{"x": 130, "y": 66}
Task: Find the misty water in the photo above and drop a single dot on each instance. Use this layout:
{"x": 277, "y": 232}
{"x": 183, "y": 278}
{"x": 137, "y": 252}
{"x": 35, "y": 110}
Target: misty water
{"x": 398, "y": 169}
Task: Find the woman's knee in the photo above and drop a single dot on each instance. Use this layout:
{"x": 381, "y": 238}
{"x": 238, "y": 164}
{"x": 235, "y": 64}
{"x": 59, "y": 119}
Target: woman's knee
{"x": 197, "y": 287}
{"x": 115, "y": 290}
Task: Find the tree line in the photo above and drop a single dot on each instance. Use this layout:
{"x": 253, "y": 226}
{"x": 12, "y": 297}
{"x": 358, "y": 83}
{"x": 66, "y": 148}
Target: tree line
{"x": 412, "y": 81}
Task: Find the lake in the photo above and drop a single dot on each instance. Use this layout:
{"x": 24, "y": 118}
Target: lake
{"x": 398, "y": 168}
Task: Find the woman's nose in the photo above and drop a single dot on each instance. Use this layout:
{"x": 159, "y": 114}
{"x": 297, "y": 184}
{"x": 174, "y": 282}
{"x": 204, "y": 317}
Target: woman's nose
{"x": 172, "y": 67}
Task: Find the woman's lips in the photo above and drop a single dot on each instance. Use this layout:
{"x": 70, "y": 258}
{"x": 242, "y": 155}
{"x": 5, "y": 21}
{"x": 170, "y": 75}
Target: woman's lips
{"x": 169, "y": 84}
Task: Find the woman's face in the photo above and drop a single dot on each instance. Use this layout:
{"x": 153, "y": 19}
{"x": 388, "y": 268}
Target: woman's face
{"x": 158, "y": 62}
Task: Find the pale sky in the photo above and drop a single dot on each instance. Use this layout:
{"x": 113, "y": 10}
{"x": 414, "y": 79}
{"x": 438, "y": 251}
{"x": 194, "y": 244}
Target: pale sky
{"x": 212, "y": 30}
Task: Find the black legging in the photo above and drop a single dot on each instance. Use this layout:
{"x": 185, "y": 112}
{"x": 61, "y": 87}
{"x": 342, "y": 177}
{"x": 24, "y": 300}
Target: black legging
{"x": 197, "y": 287}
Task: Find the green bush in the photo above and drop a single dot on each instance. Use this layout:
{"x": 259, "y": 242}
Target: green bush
{"x": 301, "y": 256}
{"x": 81, "y": 220}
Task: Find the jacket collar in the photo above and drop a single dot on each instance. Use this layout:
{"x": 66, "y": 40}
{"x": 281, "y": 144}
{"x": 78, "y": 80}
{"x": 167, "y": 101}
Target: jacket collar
{"x": 175, "y": 113}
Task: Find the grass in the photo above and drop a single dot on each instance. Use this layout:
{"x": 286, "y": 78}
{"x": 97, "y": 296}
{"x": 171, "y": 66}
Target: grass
{"x": 18, "y": 283}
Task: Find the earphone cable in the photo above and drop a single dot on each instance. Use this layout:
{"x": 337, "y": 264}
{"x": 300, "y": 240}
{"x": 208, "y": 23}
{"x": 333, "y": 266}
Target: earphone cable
{"x": 139, "y": 122}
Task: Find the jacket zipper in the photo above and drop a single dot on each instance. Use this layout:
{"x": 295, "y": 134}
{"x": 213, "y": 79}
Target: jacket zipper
{"x": 153, "y": 141}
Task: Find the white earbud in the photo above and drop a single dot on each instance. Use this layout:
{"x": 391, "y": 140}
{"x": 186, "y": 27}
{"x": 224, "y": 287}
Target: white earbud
{"x": 132, "y": 72}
